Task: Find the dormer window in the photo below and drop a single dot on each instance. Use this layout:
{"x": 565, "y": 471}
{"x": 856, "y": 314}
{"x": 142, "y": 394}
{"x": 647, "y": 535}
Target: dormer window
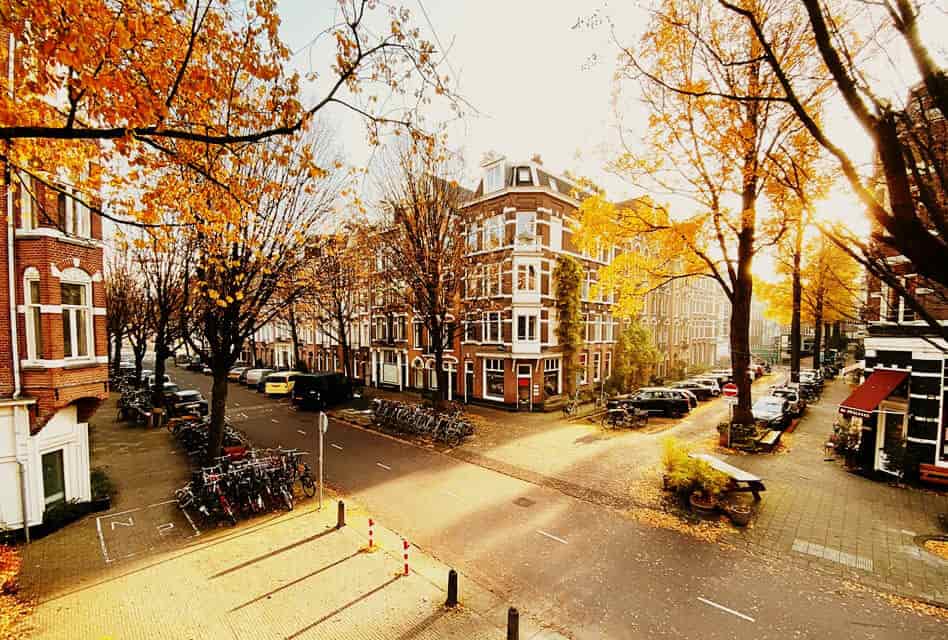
{"x": 494, "y": 180}
{"x": 524, "y": 175}
{"x": 553, "y": 185}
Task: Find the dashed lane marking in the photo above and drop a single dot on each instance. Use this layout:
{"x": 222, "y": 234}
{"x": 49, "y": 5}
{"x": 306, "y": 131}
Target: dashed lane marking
{"x": 299, "y": 431}
{"x": 384, "y": 466}
{"x": 451, "y": 493}
{"x": 334, "y": 445}
{"x": 552, "y": 537}
{"x": 711, "y": 603}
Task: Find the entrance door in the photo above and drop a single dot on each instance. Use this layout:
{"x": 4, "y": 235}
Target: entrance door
{"x": 524, "y": 378}
{"x": 468, "y": 381}
{"x": 890, "y": 431}
{"x": 54, "y": 478}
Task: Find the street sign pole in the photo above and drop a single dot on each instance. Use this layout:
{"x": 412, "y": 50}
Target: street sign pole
{"x": 323, "y": 427}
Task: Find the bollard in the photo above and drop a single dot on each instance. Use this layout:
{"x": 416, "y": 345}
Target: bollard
{"x": 405, "y": 555}
{"x": 371, "y": 542}
{"x": 341, "y": 515}
{"x": 452, "y": 600}
{"x": 513, "y": 624}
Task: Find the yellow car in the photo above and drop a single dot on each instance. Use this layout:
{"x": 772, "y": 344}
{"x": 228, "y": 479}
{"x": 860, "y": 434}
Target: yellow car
{"x": 281, "y": 383}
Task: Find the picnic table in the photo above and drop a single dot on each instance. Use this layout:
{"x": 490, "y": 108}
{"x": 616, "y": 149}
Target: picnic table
{"x": 740, "y": 480}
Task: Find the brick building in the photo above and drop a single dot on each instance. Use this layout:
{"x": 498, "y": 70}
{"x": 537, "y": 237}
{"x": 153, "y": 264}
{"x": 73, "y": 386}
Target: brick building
{"x": 53, "y": 345}
{"x": 905, "y": 393}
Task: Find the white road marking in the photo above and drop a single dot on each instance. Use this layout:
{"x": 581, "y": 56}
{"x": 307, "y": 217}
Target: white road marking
{"x": 105, "y": 553}
{"x": 274, "y": 420}
{"x": 333, "y": 444}
{"x": 158, "y": 504}
{"x": 723, "y": 608}
{"x": 449, "y": 493}
{"x": 299, "y": 431}
{"x": 384, "y": 466}
{"x": 551, "y": 536}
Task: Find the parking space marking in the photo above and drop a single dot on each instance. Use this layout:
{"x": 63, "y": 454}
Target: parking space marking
{"x": 334, "y": 445}
{"x": 711, "y": 603}
{"x": 552, "y": 537}
{"x": 136, "y": 531}
{"x": 105, "y": 552}
{"x": 384, "y": 466}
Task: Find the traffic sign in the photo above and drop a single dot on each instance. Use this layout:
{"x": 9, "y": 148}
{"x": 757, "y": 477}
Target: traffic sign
{"x": 729, "y": 390}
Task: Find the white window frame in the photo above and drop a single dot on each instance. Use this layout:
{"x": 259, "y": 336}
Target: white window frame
{"x": 530, "y": 322}
{"x": 583, "y": 369}
{"x": 527, "y": 279}
{"x": 33, "y": 316}
{"x": 472, "y": 234}
{"x": 526, "y": 229}
{"x": 492, "y": 320}
{"x": 550, "y": 365}
{"x": 494, "y": 231}
{"x": 524, "y": 171}
{"x": 493, "y": 365}
{"x": 29, "y": 212}
{"x": 494, "y": 178}
{"x": 608, "y": 371}
{"x": 77, "y": 216}
{"x": 75, "y": 311}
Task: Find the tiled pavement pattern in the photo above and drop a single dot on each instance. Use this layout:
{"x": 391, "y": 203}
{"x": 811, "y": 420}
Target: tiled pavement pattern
{"x": 281, "y": 576}
{"x": 844, "y": 523}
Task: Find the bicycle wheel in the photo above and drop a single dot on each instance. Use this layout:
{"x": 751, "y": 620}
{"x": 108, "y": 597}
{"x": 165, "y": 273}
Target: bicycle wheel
{"x": 309, "y": 485}
{"x": 287, "y": 498}
{"x": 228, "y": 511}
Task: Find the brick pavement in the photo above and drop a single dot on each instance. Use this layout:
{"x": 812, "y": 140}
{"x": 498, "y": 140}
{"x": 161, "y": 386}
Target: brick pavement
{"x": 284, "y": 576}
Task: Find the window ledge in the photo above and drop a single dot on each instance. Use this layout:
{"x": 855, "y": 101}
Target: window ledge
{"x": 81, "y": 364}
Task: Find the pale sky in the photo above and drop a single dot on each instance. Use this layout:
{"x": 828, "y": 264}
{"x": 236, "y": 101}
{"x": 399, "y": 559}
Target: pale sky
{"x": 525, "y": 68}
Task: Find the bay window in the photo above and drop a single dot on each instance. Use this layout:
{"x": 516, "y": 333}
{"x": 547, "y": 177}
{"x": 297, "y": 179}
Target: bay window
{"x": 77, "y": 320}
{"x": 526, "y": 277}
{"x": 527, "y": 327}
{"x": 34, "y": 331}
{"x": 526, "y": 228}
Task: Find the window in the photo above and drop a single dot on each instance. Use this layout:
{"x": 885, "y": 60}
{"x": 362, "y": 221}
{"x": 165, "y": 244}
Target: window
{"x": 583, "y": 374}
{"x": 587, "y": 328}
{"x": 494, "y": 232}
{"x": 492, "y": 327}
{"x": 400, "y": 328}
{"x": 470, "y": 329}
{"x": 472, "y": 235}
{"x": 526, "y": 277}
{"x": 28, "y": 209}
{"x": 595, "y": 328}
{"x": 419, "y": 335}
{"x": 493, "y": 277}
{"x": 551, "y": 377}
{"x": 34, "y": 331}
{"x": 73, "y": 214}
{"x": 608, "y": 364}
{"x": 77, "y": 320}
{"x": 553, "y": 184}
{"x": 586, "y": 282}
{"x": 54, "y": 478}
{"x": 494, "y": 180}
{"x": 524, "y": 176}
{"x": 494, "y": 378}
{"x": 526, "y": 228}
{"x": 597, "y": 364}
{"x": 450, "y": 331}
{"x": 527, "y": 327}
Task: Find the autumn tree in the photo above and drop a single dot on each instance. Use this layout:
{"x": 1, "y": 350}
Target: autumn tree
{"x": 140, "y": 327}
{"x": 420, "y": 240}
{"x": 247, "y": 259}
{"x": 635, "y": 357}
{"x": 567, "y": 280}
{"x": 905, "y": 192}
{"x": 120, "y": 305}
{"x": 338, "y": 273}
{"x": 711, "y": 154}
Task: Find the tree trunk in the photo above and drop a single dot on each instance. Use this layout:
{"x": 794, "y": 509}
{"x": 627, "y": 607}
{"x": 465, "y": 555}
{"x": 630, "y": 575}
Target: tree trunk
{"x": 139, "y": 352}
{"x": 295, "y": 338}
{"x": 161, "y": 355}
{"x": 437, "y": 346}
{"x": 818, "y": 334}
{"x": 117, "y": 355}
{"x": 797, "y": 299}
{"x": 215, "y": 439}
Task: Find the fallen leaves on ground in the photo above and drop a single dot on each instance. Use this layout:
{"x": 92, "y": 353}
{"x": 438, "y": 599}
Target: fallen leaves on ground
{"x": 901, "y": 602}
{"x": 13, "y": 611}
{"x": 654, "y": 509}
{"x": 938, "y": 547}
{"x": 710, "y": 444}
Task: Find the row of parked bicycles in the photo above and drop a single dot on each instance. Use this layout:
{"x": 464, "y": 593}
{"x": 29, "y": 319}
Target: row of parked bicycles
{"x": 402, "y": 417}
{"x": 193, "y": 432}
{"x": 260, "y": 480}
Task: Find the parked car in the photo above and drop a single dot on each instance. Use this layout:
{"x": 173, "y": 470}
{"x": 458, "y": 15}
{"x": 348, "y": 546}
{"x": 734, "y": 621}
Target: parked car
{"x": 702, "y": 392}
{"x": 320, "y": 390}
{"x": 195, "y": 365}
{"x": 280, "y": 384}
{"x": 687, "y": 395}
{"x": 149, "y": 381}
{"x": 723, "y": 376}
{"x": 772, "y": 412}
{"x": 243, "y": 376}
{"x": 262, "y": 383}
{"x": 189, "y": 402}
{"x": 667, "y": 402}
{"x": 796, "y": 402}
{"x": 182, "y": 359}
{"x": 234, "y": 374}
{"x": 253, "y": 376}
{"x": 710, "y": 383}
{"x": 206, "y": 370}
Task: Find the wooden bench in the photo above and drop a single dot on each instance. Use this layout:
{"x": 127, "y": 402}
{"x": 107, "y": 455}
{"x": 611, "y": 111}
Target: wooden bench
{"x": 933, "y": 474}
{"x": 741, "y": 480}
{"x": 769, "y": 439}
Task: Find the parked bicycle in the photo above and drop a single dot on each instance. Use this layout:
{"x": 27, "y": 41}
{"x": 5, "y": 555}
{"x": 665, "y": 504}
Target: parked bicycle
{"x": 622, "y": 417}
{"x": 446, "y": 426}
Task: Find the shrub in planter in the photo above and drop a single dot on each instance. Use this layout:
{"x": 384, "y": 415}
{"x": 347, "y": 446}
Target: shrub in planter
{"x": 102, "y": 490}
{"x": 740, "y": 514}
{"x": 60, "y": 514}
{"x": 686, "y": 475}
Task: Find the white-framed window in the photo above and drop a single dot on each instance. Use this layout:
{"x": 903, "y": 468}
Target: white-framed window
{"x": 400, "y": 328}
{"x": 527, "y": 277}
{"x": 587, "y": 328}
{"x": 583, "y": 373}
{"x": 524, "y": 175}
{"x": 470, "y": 329}
{"x": 526, "y": 228}
{"x": 586, "y": 284}
{"x": 597, "y": 366}
{"x": 472, "y": 235}
{"x": 494, "y": 178}
{"x": 553, "y": 184}
{"x": 551, "y": 377}
{"x": 494, "y": 232}
{"x": 493, "y": 284}
{"x": 608, "y": 364}
{"x": 73, "y": 214}
{"x": 418, "y": 335}
{"x": 527, "y": 327}
{"x": 494, "y": 378}
{"x": 31, "y": 299}
{"x": 77, "y": 319}
{"x": 492, "y": 326}
{"x": 29, "y": 212}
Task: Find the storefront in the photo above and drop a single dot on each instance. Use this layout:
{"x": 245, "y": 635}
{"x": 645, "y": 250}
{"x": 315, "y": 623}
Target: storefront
{"x": 879, "y": 409}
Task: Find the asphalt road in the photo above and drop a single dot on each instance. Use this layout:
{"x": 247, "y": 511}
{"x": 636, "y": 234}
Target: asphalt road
{"x": 585, "y": 569}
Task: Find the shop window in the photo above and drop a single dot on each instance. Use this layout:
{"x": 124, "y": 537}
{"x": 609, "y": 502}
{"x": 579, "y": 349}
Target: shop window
{"x": 551, "y": 377}
{"x": 494, "y": 378}
{"x": 54, "y": 478}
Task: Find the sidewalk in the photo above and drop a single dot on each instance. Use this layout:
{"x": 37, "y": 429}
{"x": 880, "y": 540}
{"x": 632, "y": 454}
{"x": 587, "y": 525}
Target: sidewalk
{"x": 143, "y": 570}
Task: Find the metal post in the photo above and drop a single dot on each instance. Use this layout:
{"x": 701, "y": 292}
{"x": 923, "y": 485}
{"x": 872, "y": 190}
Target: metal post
{"x": 341, "y": 515}
{"x": 513, "y": 624}
{"x": 323, "y": 427}
{"x": 452, "y": 600}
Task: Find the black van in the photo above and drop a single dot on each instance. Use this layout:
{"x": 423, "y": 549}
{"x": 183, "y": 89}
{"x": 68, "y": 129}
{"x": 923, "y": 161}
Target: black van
{"x": 320, "y": 390}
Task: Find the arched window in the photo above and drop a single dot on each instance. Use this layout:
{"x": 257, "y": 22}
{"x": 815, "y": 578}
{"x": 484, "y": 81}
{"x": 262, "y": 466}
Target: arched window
{"x": 76, "y": 300}
{"x": 33, "y": 320}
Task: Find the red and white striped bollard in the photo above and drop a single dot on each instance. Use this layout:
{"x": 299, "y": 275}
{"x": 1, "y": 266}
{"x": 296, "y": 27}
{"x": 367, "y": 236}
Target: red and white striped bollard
{"x": 371, "y": 527}
{"x": 405, "y": 555}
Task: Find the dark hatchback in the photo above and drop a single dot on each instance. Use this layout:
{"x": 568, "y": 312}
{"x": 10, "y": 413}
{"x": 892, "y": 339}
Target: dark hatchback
{"x": 702, "y": 392}
{"x": 665, "y": 402}
{"x": 188, "y": 402}
{"x": 320, "y": 390}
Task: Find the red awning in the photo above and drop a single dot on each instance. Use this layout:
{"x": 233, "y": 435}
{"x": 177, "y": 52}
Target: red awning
{"x": 877, "y": 387}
